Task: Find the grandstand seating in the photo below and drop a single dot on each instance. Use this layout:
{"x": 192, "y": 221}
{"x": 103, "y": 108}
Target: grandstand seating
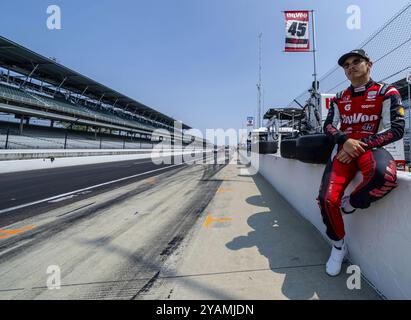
{"x": 57, "y": 104}
{"x": 35, "y": 137}
{"x": 15, "y": 94}
{"x": 34, "y": 89}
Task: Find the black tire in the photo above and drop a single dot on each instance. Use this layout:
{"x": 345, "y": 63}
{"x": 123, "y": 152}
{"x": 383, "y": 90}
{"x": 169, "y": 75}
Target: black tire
{"x": 288, "y": 148}
{"x": 266, "y": 147}
{"x": 315, "y": 148}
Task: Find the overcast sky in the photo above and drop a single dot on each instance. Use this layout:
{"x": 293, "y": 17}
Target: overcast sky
{"x": 195, "y": 60}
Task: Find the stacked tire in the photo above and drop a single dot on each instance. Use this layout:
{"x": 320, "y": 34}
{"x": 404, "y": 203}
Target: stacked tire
{"x": 288, "y": 148}
{"x": 314, "y": 148}
{"x": 266, "y": 147}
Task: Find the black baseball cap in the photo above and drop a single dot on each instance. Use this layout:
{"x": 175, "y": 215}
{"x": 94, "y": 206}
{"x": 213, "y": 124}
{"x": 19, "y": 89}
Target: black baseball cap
{"x": 356, "y": 52}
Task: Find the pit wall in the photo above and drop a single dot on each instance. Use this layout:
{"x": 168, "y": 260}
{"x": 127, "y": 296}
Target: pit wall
{"x": 42, "y": 160}
{"x": 378, "y": 238}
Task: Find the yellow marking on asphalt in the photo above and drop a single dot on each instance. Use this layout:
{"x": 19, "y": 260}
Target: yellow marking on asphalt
{"x": 152, "y": 180}
{"x": 210, "y": 220}
{"x": 10, "y": 232}
{"x": 221, "y": 189}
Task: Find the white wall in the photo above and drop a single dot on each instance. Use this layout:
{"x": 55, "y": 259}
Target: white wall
{"x": 378, "y": 238}
{"x": 8, "y": 166}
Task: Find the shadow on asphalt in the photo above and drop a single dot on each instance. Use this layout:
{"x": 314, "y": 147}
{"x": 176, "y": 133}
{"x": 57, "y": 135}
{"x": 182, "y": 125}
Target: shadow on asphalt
{"x": 280, "y": 235}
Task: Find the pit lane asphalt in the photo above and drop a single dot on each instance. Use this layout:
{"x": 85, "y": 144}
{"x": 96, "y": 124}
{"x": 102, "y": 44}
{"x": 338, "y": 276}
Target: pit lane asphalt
{"x": 110, "y": 245}
{"x": 20, "y": 188}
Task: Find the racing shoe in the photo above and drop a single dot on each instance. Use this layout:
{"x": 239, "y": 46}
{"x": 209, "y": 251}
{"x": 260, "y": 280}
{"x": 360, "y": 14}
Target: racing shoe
{"x": 333, "y": 266}
{"x": 346, "y": 206}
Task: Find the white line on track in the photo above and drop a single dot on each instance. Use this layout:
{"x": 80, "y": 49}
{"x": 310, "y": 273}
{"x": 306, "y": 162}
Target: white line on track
{"x": 89, "y": 188}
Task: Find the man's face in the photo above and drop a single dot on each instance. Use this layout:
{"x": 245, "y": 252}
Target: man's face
{"x": 356, "y": 68}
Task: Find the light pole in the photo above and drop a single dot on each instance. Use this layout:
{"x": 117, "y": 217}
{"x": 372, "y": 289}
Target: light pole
{"x": 409, "y": 116}
{"x": 260, "y": 36}
{"x": 314, "y": 52}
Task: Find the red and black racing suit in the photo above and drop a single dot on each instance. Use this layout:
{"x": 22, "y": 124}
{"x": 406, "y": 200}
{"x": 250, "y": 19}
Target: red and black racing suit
{"x": 373, "y": 114}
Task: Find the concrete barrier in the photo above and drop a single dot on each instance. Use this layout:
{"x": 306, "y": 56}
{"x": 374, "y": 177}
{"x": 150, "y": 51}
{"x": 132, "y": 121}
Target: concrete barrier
{"x": 378, "y": 238}
{"x": 58, "y": 153}
{"x": 76, "y": 158}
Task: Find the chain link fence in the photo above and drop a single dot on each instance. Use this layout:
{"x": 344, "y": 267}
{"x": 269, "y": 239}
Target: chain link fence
{"x": 389, "y": 47}
{"x": 390, "y": 50}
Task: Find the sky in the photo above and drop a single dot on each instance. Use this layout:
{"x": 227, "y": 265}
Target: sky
{"x": 194, "y": 60}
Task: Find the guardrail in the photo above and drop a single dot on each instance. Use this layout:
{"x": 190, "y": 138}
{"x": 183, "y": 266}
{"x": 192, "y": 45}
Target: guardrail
{"x": 11, "y": 139}
{"x": 58, "y": 159}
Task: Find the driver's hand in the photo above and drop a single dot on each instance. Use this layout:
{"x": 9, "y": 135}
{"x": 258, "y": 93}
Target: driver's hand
{"x": 354, "y": 148}
{"x": 344, "y": 157}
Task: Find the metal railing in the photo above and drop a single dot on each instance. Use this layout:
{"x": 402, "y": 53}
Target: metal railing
{"x": 13, "y": 139}
{"x": 390, "y": 50}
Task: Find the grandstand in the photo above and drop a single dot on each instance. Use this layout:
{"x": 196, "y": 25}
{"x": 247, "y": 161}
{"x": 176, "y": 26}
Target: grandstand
{"x": 44, "y": 137}
{"x": 39, "y": 90}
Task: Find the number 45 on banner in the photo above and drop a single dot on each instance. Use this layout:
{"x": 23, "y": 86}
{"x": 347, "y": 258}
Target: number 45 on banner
{"x": 296, "y": 31}
{"x": 297, "y": 35}
{"x": 298, "y": 28}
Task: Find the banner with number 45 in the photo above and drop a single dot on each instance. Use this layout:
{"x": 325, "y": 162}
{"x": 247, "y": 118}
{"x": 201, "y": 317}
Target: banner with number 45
{"x": 297, "y": 31}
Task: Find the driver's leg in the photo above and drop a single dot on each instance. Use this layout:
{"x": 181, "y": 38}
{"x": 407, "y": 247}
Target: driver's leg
{"x": 336, "y": 177}
{"x": 379, "y": 177}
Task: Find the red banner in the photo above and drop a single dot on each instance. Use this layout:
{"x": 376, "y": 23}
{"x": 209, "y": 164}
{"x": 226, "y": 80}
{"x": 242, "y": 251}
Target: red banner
{"x": 297, "y": 31}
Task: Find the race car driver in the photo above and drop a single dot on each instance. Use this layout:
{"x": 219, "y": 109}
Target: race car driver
{"x": 371, "y": 116}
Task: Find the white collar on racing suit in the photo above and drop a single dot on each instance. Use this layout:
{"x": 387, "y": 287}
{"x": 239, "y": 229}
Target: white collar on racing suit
{"x": 359, "y": 89}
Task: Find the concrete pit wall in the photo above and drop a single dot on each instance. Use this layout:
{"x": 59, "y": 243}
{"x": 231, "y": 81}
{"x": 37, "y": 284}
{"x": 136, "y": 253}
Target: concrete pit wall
{"x": 378, "y": 238}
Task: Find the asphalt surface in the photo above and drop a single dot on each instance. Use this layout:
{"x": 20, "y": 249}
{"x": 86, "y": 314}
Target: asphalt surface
{"x": 23, "y": 188}
{"x": 107, "y": 245}
{"x": 192, "y": 232}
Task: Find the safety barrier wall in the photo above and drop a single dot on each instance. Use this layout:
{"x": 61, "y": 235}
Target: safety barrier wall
{"x": 58, "y": 153}
{"x": 378, "y": 238}
{"x": 55, "y": 160}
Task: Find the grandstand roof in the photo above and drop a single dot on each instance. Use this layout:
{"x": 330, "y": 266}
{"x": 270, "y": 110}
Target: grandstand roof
{"x": 22, "y": 60}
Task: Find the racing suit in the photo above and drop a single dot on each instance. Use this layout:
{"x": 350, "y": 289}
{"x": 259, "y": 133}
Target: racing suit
{"x": 373, "y": 114}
